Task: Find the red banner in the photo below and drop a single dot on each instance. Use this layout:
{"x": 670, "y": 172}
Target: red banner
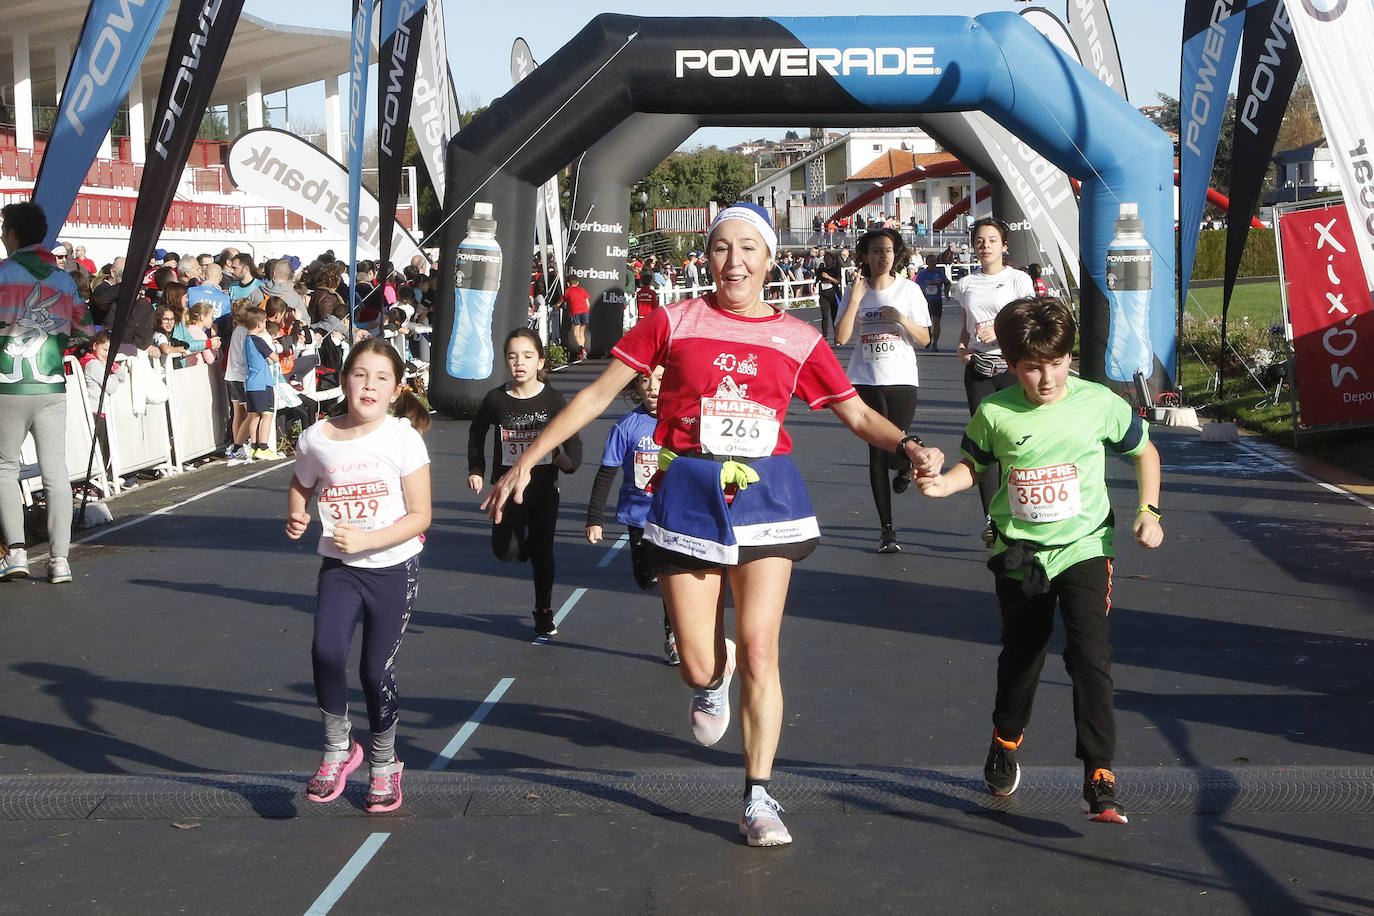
{"x": 1332, "y": 316}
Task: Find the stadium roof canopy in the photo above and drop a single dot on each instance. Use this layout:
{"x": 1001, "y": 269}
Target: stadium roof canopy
{"x": 280, "y": 56}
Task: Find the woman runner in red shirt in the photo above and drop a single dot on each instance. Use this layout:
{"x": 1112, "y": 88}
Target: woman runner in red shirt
{"x": 729, "y": 505}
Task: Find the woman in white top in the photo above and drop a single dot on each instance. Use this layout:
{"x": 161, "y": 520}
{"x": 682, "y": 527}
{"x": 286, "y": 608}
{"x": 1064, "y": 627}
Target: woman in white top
{"x": 982, "y": 294}
{"x": 890, "y": 317}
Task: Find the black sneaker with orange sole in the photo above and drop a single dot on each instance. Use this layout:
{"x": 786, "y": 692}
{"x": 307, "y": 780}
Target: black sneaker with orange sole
{"x": 1099, "y": 798}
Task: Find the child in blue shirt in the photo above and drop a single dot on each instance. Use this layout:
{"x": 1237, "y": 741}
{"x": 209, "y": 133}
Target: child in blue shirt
{"x": 934, "y": 284}
{"x": 260, "y": 355}
{"x": 631, "y": 447}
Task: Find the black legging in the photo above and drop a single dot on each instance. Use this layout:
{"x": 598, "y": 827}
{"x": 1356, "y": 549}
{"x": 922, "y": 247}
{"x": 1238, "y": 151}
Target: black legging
{"x": 383, "y": 598}
{"x": 977, "y": 387}
{"x": 526, "y": 532}
{"x": 829, "y": 300}
{"x": 898, "y": 404}
{"x": 643, "y": 570}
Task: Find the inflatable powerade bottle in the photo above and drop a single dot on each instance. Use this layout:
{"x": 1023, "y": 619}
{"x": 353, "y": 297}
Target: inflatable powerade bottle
{"x": 1130, "y": 274}
{"x": 477, "y": 280}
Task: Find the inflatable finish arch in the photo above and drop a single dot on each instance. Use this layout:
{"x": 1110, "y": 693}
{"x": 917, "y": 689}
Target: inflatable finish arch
{"x": 835, "y": 71}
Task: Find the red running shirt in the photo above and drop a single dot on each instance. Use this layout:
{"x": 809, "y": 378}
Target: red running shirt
{"x": 579, "y": 302}
{"x": 646, "y": 300}
{"x": 706, "y": 351}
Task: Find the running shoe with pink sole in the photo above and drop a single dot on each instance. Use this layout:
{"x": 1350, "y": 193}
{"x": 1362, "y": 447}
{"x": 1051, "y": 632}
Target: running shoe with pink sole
{"x": 760, "y": 824}
{"x": 384, "y": 794}
{"x": 328, "y": 782}
{"x": 710, "y": 711}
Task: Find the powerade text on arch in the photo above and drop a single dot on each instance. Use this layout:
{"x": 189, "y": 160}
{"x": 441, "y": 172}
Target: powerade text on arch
{"x": 727, "y": 63}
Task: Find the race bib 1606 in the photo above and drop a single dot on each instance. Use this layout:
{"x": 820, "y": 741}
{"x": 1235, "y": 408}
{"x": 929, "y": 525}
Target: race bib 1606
{"x": 879, "y": 345}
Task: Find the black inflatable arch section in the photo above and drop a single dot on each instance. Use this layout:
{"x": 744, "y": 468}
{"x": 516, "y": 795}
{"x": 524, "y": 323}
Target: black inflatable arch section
{"x": 835, "y": 71}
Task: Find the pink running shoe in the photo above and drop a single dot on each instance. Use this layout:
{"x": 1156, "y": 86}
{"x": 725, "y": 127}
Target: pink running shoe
{"x": 328, "y": 782}
{"x": 710, "y": 711}
{"x": 385, "y": 792}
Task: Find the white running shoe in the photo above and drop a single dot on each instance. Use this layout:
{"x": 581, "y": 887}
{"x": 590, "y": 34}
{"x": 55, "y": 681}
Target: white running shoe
{"x": 670, "y": 656}
{"x": 760, "y": 824}
{"x": 15, "y": 564}
{"x": 710, "y": 710}
{"x": 59, "y": 570}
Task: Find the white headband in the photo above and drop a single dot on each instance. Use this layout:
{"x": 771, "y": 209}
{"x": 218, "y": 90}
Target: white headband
{"x": 754, "y": 218}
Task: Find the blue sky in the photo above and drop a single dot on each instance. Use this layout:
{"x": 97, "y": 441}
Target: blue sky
{"x": 480, "y": 36}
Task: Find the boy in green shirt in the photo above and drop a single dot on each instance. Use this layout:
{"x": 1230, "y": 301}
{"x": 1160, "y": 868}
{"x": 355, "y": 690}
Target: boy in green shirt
{"x": 1053, "y": 523}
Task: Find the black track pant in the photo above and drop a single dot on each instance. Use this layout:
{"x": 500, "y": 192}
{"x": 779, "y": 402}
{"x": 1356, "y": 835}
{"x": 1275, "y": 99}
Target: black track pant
{"x": 1083, "y": 593}
{"x": 898, "y": 404}
{"x": 526, "y": 532}
{"x": 829, "y": 301}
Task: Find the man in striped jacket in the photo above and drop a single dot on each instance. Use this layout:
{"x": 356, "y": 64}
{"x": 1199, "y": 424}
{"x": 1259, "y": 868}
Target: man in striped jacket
{"x": 39, "y": 313}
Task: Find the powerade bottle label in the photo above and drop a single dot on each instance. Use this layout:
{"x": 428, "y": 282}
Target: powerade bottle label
{"x": 1130, "y": 275}
{"x": 477, "y": 280}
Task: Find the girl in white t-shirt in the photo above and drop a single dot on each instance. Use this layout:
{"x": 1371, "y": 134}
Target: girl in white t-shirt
{"x": 370, "y": 472}
{"x": 890, "y": 316}
{"x": 982, "y": 294}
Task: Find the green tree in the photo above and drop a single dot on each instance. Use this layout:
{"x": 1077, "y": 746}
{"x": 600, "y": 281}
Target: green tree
{"x": 465, "y": 117}
{"x": 695, "y": 179}
{"x": 1221, "y": 166}
{"x": 1301, "y": 126}
{"x": 213, "y": 126}
{"x": 1301, "y": 123}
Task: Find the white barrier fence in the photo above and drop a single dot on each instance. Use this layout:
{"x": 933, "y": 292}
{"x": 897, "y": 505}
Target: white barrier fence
{"x": 79, "y": 435}
{"x": 188, "y": 421}
{"x": 785, "y": 293}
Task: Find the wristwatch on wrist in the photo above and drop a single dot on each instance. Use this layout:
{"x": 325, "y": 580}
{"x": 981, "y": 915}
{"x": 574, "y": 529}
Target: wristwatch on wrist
{"x": 901, "y": 446}
{"x": 1146, "y": 507}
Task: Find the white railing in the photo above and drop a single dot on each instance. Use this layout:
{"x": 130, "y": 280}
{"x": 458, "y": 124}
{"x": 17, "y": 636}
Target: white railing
{"x": 80, "y": 431}
{"x": 191, "y": 422}
{"x": 785, "y": 293}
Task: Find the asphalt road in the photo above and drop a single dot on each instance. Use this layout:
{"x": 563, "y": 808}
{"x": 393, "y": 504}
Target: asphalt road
{"x": 160, "y": 723}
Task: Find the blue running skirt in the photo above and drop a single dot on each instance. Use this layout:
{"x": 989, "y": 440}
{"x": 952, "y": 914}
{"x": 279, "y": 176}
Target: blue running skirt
{"x": 773, "y": 517}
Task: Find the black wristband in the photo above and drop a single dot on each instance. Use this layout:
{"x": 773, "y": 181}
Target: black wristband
{"x": 900, "y": 451}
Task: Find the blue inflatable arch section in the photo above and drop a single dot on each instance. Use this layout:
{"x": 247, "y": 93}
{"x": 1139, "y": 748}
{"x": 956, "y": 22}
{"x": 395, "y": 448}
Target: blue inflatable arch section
{"x": 831, "y": 70}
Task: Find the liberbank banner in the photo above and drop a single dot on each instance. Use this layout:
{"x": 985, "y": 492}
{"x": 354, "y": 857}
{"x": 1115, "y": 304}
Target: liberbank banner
{"x": 304, "y": 179}
{"x": 1090, "y": 24}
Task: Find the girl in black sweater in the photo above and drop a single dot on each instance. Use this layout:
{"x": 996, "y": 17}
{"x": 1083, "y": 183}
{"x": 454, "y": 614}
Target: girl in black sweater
{"x": 520, "y": 409}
